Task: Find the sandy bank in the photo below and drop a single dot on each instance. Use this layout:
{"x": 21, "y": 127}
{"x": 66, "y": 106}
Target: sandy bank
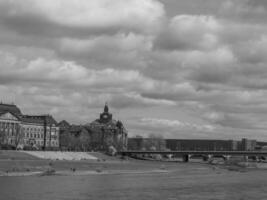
{"x": 58, "y": 155}
{"x": 83, "y": 173}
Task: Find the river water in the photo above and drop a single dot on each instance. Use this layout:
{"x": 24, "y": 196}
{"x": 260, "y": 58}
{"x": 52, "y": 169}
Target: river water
{"x": 197, "y": 185}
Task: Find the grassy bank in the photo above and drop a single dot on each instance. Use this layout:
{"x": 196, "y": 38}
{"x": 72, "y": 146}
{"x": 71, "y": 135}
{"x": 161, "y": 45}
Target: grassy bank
{"x": 21, "y": 163}
{"x": 14, "y": 162}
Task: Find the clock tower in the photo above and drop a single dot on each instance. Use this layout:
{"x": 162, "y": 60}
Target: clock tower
{"x": 105, "y": 117}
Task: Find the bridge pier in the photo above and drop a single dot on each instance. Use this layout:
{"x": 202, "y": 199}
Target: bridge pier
{"x": 255, "y": 158}
{"x": 226, "y": 157}
{"x": 207, "y": 157}
{"x": 245, "y": 158}
{"x": 186, "y": 158}
{"x": 261, "y": 158}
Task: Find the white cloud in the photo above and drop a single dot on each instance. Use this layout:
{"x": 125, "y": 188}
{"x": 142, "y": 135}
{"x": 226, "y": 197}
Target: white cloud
{"x": 186, "y": 32}
{"x": 176, "y": 124}
{"x": 66, "y": 72}
{"x": 142, "y": 16}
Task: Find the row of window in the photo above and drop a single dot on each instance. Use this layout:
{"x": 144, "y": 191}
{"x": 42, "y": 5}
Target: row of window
{"x": 8, "y": 132}
{"x": 36, "y": 135}
{"x": 40, "y": 142}
{"x": 36, "y": 129}
{"x": 54, "y": 132}
{"x": 8, "y": 125}
{"x": 12, "y": 132}
{"x": 32, "y": 142}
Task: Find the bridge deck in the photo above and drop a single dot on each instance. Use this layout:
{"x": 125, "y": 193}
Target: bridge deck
{"x": 245, "y": 153}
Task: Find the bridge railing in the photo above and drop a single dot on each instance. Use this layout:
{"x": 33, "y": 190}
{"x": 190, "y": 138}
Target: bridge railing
{"x": 245, "y": 153}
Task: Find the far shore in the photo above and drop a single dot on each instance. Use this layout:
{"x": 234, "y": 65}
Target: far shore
{"x": 19, "y": 163}
{"x": 83, "y": 173}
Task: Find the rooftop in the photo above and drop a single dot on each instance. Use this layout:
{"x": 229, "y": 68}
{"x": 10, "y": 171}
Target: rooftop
{"x": 10, "y": 108}
{"x": 39, "y": 119}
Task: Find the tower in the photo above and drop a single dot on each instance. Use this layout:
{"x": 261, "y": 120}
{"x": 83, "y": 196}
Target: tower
{"x": 105, "y": 117}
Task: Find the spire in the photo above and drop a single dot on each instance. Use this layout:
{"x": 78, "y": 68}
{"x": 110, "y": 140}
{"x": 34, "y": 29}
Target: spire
{"x": 106, "y": 108}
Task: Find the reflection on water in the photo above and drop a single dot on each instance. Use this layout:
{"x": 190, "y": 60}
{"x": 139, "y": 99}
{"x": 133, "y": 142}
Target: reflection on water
{"x": 201, "y": 185}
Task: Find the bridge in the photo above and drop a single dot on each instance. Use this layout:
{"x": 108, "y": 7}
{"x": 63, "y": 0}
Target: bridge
{"x": 204, "y": 154}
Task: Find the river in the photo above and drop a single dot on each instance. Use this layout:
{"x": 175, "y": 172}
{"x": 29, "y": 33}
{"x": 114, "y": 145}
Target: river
{"x": 201, "y": 184}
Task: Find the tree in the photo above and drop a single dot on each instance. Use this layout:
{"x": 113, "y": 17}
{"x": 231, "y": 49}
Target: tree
{"x": 3, "y": 137}
{"x": 84, "y": 140}
{"x": 155, "y": 143}
{"x": 18, "y": 135}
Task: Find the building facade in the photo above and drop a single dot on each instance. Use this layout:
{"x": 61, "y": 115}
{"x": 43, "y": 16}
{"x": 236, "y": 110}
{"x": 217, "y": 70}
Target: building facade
{"x": 139, "y": 143}
{"x": 248, "y": 145}
{"x": 40, "y": 131}
{"x": 106, "y": 132}
{"x": 99, "y": 135}
{"x": 9, "y": 128}
{"x": 27, "y": 131}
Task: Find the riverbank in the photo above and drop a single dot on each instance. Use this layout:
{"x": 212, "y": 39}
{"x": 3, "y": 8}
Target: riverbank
{"x": 17, "y": 163}
{"x": 114, "y": 178}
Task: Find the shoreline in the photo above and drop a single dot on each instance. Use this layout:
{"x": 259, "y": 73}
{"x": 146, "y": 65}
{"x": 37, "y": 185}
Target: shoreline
{"x": 82, "y": 173}
{"x": 101, "y": 171}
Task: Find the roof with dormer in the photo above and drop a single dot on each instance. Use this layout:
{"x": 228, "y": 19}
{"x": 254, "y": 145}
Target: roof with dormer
{"x": 64, "y": 124}
{"x": 11, "y": 108}
{"x": 39, "y": 119}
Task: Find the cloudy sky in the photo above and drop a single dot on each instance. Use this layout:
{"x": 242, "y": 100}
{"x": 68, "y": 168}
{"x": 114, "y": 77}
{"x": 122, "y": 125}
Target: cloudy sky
{"x": 182, "y": 69}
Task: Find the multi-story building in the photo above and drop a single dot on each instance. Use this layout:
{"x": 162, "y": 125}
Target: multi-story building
{"x": 10, "y": 124}
{"x": 40, "y": 131}
{"x": 99, "y": 135}
{"x": 139, "y": 143}
{"x": 248, "y": 145}
{"x": 20, "y": 130}
{"x": 106, "y": 132}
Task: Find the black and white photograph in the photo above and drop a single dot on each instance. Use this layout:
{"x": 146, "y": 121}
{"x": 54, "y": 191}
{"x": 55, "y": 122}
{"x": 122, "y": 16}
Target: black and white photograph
{"x": 133, "y": 99}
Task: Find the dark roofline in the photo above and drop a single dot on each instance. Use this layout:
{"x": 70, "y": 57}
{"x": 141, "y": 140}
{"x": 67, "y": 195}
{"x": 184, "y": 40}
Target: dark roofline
{"x": 64, "y": 121}
{"x": 12, "y": 108}
{"x": 7, "y": 104}
{"x": 49, "y": 118}
{"x": 7, "y": 111}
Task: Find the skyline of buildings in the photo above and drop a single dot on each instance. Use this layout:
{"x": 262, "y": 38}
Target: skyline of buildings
{"x": 43, "y": 131}
{"x": 98, "y": 135}
{"x": 19, "y": 130}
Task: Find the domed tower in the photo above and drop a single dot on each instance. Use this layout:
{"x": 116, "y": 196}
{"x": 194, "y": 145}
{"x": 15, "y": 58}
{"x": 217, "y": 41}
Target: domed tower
{"x": 105, "y": 117}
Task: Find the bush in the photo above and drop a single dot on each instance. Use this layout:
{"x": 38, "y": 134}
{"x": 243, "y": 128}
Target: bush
{"x": 7, "y": 147}
{"x": 29, "y": 148}
{"x": 49, "y": 172}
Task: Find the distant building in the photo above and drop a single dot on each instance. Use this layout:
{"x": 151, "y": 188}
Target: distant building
{"x": 248, "y": 145}
{"x": 140, "y": 143}
{"x": 10, "y": 124}
{"x": 63, "y": 127}
{"x": 39, "y": 129}
{"x": 75, "y": 138}
{"x": 106, "y": 132}
{"x": 21, "y": 130}
{"x": 201, "y": 145}
{"x": 153, "y": 143}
